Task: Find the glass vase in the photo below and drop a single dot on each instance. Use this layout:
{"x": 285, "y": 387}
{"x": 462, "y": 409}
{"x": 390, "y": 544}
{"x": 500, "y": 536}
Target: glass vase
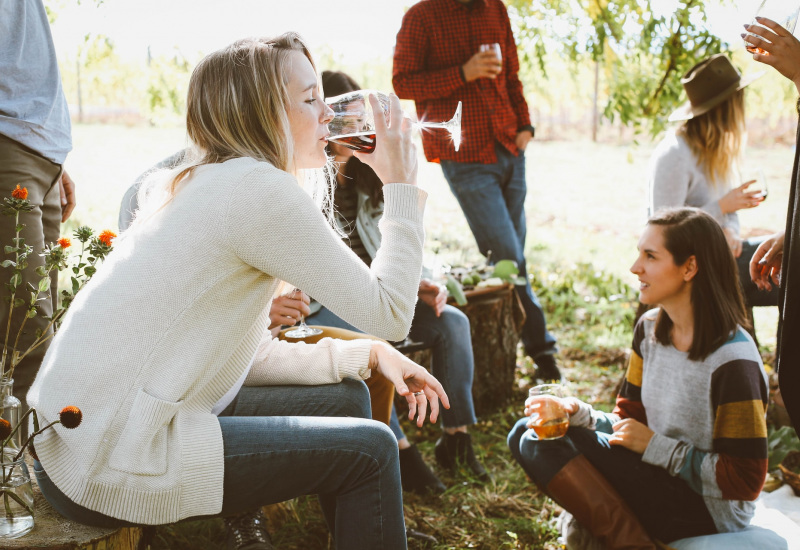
{"x": 16, "y": 496}
{"x": 11, "y": 410}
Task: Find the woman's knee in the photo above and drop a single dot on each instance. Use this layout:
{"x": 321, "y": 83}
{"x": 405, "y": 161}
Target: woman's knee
{"x": 352, "y": 397}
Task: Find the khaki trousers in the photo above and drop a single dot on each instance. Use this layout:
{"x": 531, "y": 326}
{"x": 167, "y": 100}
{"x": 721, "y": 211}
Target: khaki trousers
{"x": 23, "y": 166}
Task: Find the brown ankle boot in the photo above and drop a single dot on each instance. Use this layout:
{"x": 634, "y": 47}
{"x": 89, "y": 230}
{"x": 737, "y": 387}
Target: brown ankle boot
{"x": 588, "y": 496}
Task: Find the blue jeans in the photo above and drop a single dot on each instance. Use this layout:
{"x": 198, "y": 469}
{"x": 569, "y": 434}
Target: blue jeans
{"x": 492, "y": 197}
{"x": 452, "y": 362}
{"x": 750, "y": 292}
{"x": 281, "y": 442}
{"x": 667, "y": 507}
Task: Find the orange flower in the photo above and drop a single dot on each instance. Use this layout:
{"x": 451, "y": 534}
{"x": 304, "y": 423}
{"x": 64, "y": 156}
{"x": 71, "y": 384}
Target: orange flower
{"x": 64, "y": 242}
{"x": 70, "y": 417}
{"x": 20, "y": 193}
{"x": 106, "y": 236}
{"x": 5, "y": 428}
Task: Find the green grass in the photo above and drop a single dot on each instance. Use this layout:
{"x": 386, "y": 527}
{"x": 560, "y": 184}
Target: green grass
{"x": 586, "y": 206}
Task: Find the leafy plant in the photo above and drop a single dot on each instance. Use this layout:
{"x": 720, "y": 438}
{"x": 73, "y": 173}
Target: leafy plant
{"x": 780, "y": 443}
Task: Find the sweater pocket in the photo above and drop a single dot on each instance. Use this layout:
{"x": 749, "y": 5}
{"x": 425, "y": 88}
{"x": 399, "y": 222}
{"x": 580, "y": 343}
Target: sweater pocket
{"x": 142, "y": 445}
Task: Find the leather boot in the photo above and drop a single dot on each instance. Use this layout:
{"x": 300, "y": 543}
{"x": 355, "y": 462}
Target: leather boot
{"x": 586, "y": 494}
{"x": 416, "y": 476}
{"x": 455, "y": 450}
{"x": 248, "y": 531}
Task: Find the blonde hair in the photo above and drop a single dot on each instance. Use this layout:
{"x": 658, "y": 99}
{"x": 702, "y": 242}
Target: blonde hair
{"x": 716, "y": 139}
{"x": 236, "y": 107}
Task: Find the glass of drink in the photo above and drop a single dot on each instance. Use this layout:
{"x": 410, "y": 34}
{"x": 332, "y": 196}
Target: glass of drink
{"x": 302, "y": 330}
{"x": 783, "y": 12}
{"x": 498, "y": 53}
{"x": 759, "y": 183}
{"x": 549, "y": 418}
{"x": 353, "y": 124}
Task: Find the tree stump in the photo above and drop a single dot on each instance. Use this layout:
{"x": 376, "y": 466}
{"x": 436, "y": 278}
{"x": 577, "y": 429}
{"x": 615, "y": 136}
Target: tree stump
{"x": 54, "y": 532}
{"x": 496, "y": 317}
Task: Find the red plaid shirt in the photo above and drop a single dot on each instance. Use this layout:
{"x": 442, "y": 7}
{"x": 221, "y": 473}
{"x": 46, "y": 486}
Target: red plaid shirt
{"x": 436, "y": 38}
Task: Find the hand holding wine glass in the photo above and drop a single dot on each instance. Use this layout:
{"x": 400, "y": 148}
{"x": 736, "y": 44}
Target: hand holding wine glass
{"x": 302, "y": 330}
{"x": 778, "y": 47}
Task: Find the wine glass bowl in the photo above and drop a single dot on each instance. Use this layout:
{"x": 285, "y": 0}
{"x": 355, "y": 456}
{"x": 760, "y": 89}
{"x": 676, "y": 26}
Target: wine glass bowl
{"x": 353, "y": 123}
{"x": 782, "y": 12}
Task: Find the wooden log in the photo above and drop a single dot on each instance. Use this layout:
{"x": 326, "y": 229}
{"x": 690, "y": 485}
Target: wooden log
{"x": 54, "y": 532}
{"x": 496, "y": 318}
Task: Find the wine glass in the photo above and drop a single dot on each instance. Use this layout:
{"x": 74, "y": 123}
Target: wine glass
{"x": 353, "y": 122}
{"x": 759, "y": 184}
{"x": 783, "y": 12}
{"x": 302, "y": 330}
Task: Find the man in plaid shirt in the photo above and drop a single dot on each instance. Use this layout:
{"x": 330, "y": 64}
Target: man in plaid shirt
{"x": 437, "y": 62}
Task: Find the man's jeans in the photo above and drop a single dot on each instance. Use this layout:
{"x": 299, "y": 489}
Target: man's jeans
{"x": 451, "y": 363}
{"x": 285, "y": 441}
{"x": 492, "y": 197}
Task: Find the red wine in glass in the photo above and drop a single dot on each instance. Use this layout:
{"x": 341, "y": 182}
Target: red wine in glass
{"x": 358, "y": 141}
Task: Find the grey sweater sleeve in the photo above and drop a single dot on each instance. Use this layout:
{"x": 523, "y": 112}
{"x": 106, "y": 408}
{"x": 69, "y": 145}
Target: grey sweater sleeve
{"x": 669, "y": 178}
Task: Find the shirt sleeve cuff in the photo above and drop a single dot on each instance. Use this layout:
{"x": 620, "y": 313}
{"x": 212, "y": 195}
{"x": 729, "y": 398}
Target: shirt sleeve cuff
{"x": 530, "y": 127}
{"x": 404, "y": 200}
{"x": 354, "y": 358}
{"x": 660, "y": 452}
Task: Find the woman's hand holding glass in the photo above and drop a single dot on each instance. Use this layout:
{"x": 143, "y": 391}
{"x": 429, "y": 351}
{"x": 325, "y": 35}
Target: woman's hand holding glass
{"x": 740, "y": 198}
{"x": 410, "y": 380}
{"x": 781, "y": 47}
{"x": 288, "y": 309}
{"x": 580, "y": 413}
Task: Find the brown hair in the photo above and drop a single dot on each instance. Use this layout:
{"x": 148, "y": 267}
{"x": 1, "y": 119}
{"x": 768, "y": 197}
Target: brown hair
{"x": 363, "y": 177}
{"x": 717, "y": 304}
{"x": 716, "y": 138}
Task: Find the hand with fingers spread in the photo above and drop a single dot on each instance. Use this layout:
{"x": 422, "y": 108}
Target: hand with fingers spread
{"x": 394, "y": 159}
{"x": 765, "y": 265}
{"x": 413, "y": 382}
{"x": 631, "y": 434}
{"x": 740, "y": 198}
{"x": 433, "y": 295}
{"x": 781, "y": 47}
{"x": 288, "y": 309}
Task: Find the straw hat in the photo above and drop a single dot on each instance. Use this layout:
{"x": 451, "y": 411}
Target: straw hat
{"x": 708, "y": 84}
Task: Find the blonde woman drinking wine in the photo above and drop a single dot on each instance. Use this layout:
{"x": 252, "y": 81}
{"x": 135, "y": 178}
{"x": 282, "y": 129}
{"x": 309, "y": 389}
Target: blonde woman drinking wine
{"x": 191, "y": 408}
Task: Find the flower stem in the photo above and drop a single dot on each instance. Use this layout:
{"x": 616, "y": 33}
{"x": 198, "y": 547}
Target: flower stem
{"x": 13, "y": 292}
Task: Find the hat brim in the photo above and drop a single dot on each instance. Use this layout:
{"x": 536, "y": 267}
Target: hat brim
{"x": 688, "y": 111}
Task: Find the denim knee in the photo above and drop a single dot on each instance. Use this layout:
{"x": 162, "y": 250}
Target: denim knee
{"x": 455, "y": 324}
{"x": 353, "y": 397}
{"x": 515, "y": 436}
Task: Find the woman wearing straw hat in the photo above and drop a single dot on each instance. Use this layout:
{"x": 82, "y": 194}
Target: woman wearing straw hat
{"x": 698, "y": 164}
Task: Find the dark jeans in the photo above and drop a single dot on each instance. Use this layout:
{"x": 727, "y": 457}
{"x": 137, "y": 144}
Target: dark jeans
{"x": 665, "y": 505}
{"x": 285, "y": 441}
{"x": 492, "y": 197}
{"x": 452, "y": 362}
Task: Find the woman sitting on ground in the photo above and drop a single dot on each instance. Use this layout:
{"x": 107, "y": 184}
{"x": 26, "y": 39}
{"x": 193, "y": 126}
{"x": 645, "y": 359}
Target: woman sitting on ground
{"x": 358, "y": 202}
{"x": 699, "y": 164}
{"x": 684, "y": 452}
{"x": 190, "y": 407}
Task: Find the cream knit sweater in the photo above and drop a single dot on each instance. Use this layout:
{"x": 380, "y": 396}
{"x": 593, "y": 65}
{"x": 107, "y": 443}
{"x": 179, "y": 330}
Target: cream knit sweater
{"x": 176, "y": 313}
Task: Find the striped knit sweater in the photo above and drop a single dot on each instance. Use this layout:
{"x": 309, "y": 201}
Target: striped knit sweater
{"x": 708, "y": 417}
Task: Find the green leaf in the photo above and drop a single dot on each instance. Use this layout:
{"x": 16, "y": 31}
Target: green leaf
{"x": 76, "y": 285}
{"x": 8, "y": 263}
{"x": 16, "y": 280}
{"x": 90, "y": 270}
{"x": 506, "y": 270}
{"x": 18, "y": 302}
{"x": 44, "y": 284}
{"x": 10, "y": 249}
{"x": 456, "y": 290}
{"x": 31, "y": 313}
{"x": 41, "y": 271}
{"x": 20, "y": 227}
